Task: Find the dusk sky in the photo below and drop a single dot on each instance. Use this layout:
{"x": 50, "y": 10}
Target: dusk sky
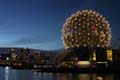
{"x": 37, "y": 23}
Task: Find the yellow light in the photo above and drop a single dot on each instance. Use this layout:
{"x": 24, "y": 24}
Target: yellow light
{"x": 83, "y": 26}
{"x": 79, "y": 19}
{"x": 98, "y": 19}
{"x": 84, "y": 45}
{"x": 72, "y": 39}
{"x": 100, "y": 27}
{"x": 72, "y": 46}
{"x": 99, "y": 78}
{"x": 76, "y": 41}
{"x": 100, "y": 16}
{"x": 84, "y": 14}
{"x": 90, "y": 11}
{"x": 94, "y": 56}
{"x": 75, "y": 18}
{"x": 73, "y": 28}
{"x": 77, "y": 45}
{"x": 91, "y": 18}
{"x": 88, "y": 24}
{"x": 94, "y": 12}
{"x": 88, "y": 33}
{"x": 101, "y": 40}
{"x": 96, "y": 24}
{"x": 88, "y": 38}
{"x": 92, "y": 15}
{"x": 77, "y": 15}
{"x": 106, "y": 22}
{"x": 12, "y": 49}
{"x": 70, "y": 43}
{"x": 83, "y": 63}
{"x": 109, "y": 55}
{"x": 79, "y": 33}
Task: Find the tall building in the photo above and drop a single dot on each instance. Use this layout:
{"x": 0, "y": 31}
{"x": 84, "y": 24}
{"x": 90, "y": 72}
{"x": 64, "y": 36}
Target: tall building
{"x": 38, "y": 57}
{"x": 24, "y": 56}
{"x": 13, "y": 55}
{"x": 20, "y": 56}
{"x": 27, "y": 55}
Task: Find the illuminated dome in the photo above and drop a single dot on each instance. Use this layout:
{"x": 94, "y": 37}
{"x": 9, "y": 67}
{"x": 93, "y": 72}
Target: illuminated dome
{"x": 86, "y": 28}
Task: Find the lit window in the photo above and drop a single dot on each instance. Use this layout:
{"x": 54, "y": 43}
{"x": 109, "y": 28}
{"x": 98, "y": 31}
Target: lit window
{"x": 94, "y": 56}
{"x": 109, "y": 55}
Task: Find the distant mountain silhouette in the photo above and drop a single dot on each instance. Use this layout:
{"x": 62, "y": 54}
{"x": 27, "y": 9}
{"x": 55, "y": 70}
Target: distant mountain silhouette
{"x": 7, "y": 50}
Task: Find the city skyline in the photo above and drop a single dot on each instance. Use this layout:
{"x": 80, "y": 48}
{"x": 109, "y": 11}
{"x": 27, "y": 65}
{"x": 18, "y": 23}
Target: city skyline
{"x": 37, "y": 24}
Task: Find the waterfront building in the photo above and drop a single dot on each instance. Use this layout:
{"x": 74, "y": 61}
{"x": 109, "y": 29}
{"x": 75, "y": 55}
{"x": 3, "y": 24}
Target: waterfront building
{"x": 86, "y": 37}
{"x": 38, "y": 57}
{"x": 20, "y": 56}
{"x": 13, "y": 55}
{"x": 26, "y": 55}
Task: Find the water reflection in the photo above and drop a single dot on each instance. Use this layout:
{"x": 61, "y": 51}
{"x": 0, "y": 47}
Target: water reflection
{"x": 104, "y": 77}
{"x": 6, "y": 73}
{"x": 81, "y": 76}
{"x": 70, "y": 76}
{"x": 88, "y": 77}
{"x": 45, "y": 76}
{"x": 13, "y": 74}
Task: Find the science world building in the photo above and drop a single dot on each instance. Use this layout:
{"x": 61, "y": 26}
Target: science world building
{"x": 86, "y": 37}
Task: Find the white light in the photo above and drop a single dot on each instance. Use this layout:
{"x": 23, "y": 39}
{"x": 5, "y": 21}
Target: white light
{"x": 7, "y": 58}
{"x": 98, "y": 45}
{"x": 6, "y": 67}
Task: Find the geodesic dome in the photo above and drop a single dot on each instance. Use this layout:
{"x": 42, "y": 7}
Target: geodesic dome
{"x": 86, "y": 28}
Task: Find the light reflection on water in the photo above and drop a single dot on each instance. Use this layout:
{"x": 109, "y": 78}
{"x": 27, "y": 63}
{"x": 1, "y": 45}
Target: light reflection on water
{"x": 13, "y": 74}
{"x": 6, "y": 73}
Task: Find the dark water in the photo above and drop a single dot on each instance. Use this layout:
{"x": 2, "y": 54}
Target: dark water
{"x": 12, "y": 74}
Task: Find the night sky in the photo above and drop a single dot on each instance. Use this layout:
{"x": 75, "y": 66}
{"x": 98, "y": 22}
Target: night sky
{"x": 37, "y": 23}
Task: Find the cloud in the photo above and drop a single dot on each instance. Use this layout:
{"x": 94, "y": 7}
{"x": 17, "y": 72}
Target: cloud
{"x": 30, "y": 40}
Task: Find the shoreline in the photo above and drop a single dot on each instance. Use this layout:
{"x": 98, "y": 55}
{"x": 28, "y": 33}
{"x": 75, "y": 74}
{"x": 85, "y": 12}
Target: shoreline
{"x": 67, "y": 70}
